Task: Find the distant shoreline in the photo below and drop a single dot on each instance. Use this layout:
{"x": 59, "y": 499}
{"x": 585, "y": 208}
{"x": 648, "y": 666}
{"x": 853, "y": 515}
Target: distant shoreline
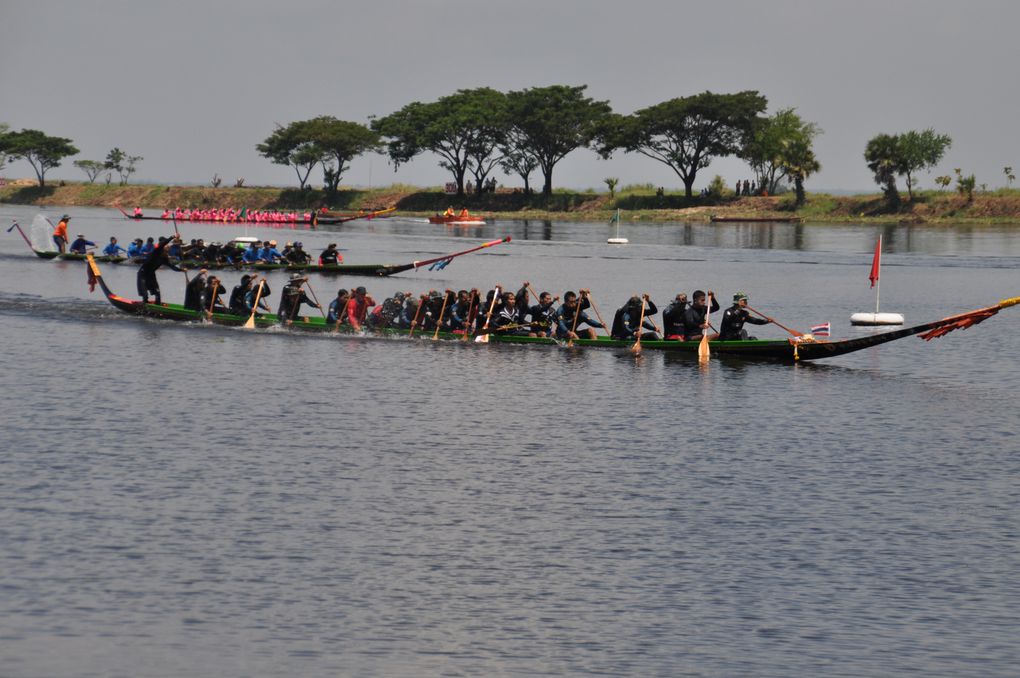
{"x": 1001, "y": 206}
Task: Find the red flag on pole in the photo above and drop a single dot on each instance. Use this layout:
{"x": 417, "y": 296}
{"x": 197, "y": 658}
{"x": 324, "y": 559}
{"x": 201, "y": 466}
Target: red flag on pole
{"x": 876, "y": 263}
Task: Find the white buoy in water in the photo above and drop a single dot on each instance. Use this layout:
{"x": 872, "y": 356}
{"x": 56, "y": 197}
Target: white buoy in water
{"x": 876, "y": 319}
{"x": 617, "y": 240}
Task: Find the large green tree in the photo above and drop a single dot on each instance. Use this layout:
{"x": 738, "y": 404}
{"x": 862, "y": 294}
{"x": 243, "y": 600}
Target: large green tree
{"x": 464, "y": 129}
{"x": 550, "y": 122}
{"x": 687, "y": 133}
{"x": 42, "y": 151}
{"x": 883, "y": 157}
{"x": 892, "y": 155}
{"x": 91, "y": 168}
{"x": 4, "y": 131}
{"x": 338, "y": 142}
{"x": 921, "y": 151}
{"x": 778, "y": 148}
{"x": 293, "y": 146}
{"x": 120, "y": 162}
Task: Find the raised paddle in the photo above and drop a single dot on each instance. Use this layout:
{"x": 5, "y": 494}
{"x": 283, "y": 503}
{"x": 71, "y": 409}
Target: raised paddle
{"x": 605, "y": 328}
{"x": 417, "y": 312}
{"x": 439, "y": 323}
{"x": 577, "y": 314}
{"x": 484, "y": 338}
{"x": 636, "y": 348}
{"x": 703, "y": 350}
{"x": 250, "y": 322}
{"x": 323, "y": 313}
{"x": 776, "y": 323}
{"x": 472, "y": 314}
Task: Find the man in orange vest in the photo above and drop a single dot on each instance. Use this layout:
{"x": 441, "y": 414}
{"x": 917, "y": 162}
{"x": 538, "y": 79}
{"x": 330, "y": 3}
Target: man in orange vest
{"x": 60, "y": 233}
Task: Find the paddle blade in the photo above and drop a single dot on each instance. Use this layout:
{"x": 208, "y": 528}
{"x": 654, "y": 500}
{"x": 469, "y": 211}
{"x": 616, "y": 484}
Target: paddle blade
{"x": 249, "y": 324}
{"x": 482, "y": 339}
{"x": 703, "y": 350}
{"x": 636, "y": 348}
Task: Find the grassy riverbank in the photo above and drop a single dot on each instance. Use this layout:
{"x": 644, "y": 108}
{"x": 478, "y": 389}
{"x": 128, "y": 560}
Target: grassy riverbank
{"x": 1001, "y": 206}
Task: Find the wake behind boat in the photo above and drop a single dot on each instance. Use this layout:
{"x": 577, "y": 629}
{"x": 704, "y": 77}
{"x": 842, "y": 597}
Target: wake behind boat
{"x": 798, "y": 349}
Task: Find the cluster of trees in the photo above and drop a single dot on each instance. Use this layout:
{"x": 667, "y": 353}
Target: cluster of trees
{"x": 892, "y": 155}
{"x": 44, "y": 152}
{"x": 41, "y": 151}
{"x": 474, "y": 131}
{"x": 116, "y": 161}
{"x": 323, "y": 140}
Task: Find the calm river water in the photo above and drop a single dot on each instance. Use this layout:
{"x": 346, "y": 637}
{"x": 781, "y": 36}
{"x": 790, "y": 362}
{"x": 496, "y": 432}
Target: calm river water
{"x": 199, "y": 501}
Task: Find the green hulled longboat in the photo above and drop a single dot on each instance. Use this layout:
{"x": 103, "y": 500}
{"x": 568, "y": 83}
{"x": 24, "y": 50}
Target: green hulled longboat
{"x": 377, "y": 270}
{"x": 804, "y": 348}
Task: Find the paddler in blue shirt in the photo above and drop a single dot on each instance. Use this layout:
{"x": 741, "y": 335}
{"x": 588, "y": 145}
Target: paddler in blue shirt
{"x": 338, "y": 307}
{"x": 113, "y": 248}
{"x": 251, "y": 255}
{"x": 269, "y": 253}
{"x": 135, "y": 248}
{"x": 81, "y": 245}
{"x": 564, "y": 318}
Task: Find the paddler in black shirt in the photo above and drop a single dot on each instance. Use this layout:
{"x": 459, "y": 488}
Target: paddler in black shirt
{"x": 147, "y": 282}
{"x": 732, "y": 326}
{"x": 673, "y": 318}
{"x": 696, "y": 316}
{"x": 292, "y": 297}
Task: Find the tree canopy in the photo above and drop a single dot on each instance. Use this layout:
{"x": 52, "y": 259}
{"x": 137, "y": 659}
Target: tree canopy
{"x": 687, "y": 133}
{"x": 891, "y": 155}
{"x": 293, "y": 147}
{"x": 550, "y": 122}
{"x": 779, "y": 148}
{"x": 339, "y": 142}
{"x": 91, "y": 168}
{"x": 42, "y": 152}
{"x": 464, "y": 129}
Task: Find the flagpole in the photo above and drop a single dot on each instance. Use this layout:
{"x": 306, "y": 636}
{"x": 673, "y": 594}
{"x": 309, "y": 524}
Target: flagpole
{"x": 878, "y": 276}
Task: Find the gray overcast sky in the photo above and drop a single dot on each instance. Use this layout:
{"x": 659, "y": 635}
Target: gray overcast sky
{"x": 193, "y": 85}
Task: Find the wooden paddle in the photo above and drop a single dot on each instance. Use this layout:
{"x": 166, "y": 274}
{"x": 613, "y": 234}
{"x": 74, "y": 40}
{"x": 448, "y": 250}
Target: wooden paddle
{"x": 776, "y": 323}
{"x": 414, "y": 323}
{"x": 605, "y": 328}
{"x": 484, "y": 338}
{"x": 577, "y": 314}
{"x": 636, "y": 348}
{"x": 321, "y": 312}
{"x": 703, "y": 351}
{"x": 442, "y": 311}
{"x": 215, "y": 295}
{"x": 250, "y": 322}
{"x": 472, "y": 314}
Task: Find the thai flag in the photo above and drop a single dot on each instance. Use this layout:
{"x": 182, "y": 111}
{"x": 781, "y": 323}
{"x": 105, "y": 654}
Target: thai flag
{"x": 821, "y": 330}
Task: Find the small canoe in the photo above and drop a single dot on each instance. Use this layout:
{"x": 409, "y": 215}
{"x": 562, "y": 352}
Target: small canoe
{"x": 455, "y": 220}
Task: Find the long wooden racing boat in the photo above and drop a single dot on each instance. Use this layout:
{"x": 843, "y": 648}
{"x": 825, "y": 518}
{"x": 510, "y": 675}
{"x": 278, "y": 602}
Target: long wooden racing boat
{"x": 338, "y": 269}
{"x": 279, "y": 222}
{"x": 782, "y": 350}
{"x": 343, "y": 217}
{"x": 779, "y": 220}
